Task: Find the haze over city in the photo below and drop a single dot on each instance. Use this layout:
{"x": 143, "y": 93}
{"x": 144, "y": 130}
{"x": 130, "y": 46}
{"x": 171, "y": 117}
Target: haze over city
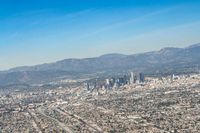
{"x": 100, "y": 66}
{"x": 40, "y": 31}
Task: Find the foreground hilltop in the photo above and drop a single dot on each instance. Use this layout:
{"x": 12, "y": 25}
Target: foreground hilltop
{"x": 165, "y": 60}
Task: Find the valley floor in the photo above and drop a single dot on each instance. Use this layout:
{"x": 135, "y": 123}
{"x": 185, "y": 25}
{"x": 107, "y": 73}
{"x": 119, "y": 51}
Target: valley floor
{"x": 151, "y": 108}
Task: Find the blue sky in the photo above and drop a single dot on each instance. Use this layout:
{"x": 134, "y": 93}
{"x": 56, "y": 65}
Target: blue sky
{"x": 40, "y": 31}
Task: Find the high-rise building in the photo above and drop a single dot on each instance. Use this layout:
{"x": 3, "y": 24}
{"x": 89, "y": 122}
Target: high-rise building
{"x": 95, "y": 85}
{"x": 108, "y": 84}
{"x": 141, "y": 77}
{"x": 135, "y": 79}
{"x": 132, "y": 78}
{"x": 107, "y": 81}
{"x": 87, "y": 86}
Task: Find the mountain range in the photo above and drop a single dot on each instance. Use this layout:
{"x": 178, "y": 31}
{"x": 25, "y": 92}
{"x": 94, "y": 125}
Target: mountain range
{"x": 166, "y": 60}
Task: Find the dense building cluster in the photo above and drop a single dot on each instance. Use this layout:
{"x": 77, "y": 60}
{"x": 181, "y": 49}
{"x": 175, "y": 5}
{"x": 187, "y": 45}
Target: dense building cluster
{"x": 168, "y": 104}
{"x": 115, "y": 82}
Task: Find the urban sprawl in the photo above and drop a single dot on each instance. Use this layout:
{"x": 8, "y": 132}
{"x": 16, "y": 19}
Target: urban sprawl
{"x": 132, "y": 103}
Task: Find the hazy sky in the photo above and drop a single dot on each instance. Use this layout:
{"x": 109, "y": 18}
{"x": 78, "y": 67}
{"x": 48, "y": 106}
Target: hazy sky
{"x": 40, "y": 31}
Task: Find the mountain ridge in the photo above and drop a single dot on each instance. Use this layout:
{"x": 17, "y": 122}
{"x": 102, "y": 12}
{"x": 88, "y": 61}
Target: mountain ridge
{"x": 167, "y": 59}
{"x": 103, "y": 56}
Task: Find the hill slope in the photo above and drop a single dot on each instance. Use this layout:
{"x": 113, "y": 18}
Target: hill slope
{"x": 167, "y": 59}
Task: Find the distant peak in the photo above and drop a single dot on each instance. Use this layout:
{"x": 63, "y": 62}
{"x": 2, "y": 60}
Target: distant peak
{"x": 194, "y": 45}
{"x": 169, "y": 48}
{"x": 112, "y": 55}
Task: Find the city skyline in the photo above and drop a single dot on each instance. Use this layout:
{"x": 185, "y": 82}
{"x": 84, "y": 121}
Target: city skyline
{"x": 38, "y": 32}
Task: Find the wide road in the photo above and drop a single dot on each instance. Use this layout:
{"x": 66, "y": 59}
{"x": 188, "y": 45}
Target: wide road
{"x": 62, "y": 125}
{"x": 93, "y": 126}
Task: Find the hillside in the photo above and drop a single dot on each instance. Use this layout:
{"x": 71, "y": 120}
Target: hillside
{"x": 166, "y": 59}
